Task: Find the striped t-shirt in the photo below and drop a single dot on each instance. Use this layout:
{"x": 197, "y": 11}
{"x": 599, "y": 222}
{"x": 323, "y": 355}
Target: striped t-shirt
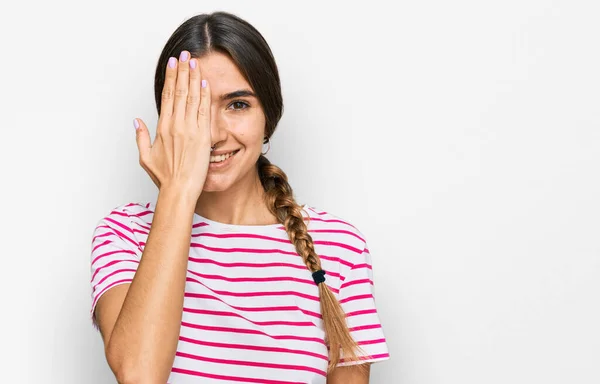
{"x": 251, "y": 308}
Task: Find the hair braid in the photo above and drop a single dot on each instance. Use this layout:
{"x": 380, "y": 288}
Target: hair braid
{"x": 280, "y": 200}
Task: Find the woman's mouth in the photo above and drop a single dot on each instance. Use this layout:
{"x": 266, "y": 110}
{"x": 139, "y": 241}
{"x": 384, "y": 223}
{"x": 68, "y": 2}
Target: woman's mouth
{"x": 220, "y": 161}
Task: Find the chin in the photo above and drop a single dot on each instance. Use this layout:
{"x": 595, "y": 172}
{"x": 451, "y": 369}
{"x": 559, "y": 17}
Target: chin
{"x": 216, "y": 184}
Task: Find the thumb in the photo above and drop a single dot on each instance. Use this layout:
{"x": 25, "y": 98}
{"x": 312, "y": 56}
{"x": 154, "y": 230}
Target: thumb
{"x": 142, "y": 137}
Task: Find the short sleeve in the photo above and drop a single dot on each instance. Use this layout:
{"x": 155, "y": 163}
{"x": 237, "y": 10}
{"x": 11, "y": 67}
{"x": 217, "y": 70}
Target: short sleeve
{"x": 357, "y": 298}
{"x": 115, "y": 255}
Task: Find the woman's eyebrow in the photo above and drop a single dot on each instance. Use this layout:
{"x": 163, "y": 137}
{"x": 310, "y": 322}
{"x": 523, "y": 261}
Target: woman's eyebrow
{"x": 239, "y": 93}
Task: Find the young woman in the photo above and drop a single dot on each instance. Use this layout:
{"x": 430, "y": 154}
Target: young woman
{"x": 225, "y": 278}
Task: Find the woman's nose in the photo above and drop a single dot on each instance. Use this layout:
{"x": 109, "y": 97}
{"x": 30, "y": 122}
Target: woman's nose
{"x": 218, "y": 127}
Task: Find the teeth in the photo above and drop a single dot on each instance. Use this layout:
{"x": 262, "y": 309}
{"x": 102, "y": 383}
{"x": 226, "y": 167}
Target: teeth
{"x": 220, "y": 158}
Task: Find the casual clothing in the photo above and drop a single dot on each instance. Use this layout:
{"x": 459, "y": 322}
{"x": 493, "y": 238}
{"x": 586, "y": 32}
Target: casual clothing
{"x": 251, "y": 308}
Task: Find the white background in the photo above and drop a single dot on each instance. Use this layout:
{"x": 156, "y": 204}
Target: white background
{"x": 460, "y": 137}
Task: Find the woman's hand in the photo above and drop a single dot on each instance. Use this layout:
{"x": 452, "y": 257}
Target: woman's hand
{"x": 179, "y": 157}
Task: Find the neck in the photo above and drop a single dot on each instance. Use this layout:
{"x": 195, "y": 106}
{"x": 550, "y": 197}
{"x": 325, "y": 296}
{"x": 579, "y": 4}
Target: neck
{"x": 241, "y": 204}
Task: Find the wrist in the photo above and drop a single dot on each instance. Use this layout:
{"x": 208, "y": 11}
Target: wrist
{"x": 177, "y": 199}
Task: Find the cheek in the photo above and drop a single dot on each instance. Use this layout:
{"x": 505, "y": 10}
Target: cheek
{"x": 250, "y": 131}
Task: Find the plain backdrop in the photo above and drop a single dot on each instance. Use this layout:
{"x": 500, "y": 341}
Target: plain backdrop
{"x": 462, "y": 138}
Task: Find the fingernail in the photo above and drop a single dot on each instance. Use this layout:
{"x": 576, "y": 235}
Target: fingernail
{"x": 203, "y": 83}
{"x": 172, "y": 62}
{"x": 193, "y": 63}
{"x": 184, "y": 56}
{"x": 136, "y": 124}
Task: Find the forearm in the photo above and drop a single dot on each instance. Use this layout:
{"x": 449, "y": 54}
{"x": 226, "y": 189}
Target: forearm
{"x": 144, "y": 339}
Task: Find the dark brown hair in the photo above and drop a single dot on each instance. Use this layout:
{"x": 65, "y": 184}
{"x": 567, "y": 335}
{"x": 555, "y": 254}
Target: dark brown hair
{"x": 226, "y": 33}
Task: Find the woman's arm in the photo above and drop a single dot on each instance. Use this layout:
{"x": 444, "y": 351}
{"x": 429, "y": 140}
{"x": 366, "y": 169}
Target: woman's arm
{"x": 349, "y": 375}
{"x": 140, "y": 322}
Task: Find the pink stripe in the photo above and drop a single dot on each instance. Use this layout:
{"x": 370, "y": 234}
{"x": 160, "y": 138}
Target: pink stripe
{"x": 254, "y": 250}
{"x": 361, "y": 312}
{"x": 201, "y": 224}
{"x": 257, "y": 265}
{"x": 147, "y": 228}
{"x": 361, "y": 281}
{"x": 108, "y": 287}
{"x": 251, "y": 363}
{"x": 231, "y": 378}
{"x": 257, "y": 279}
{"x": 251, "y": 331}
{"x": 336, "y": 244}
{"x": 254, "y": 309}
{"x": 103, "y": 243}
{"x": 262, "y": 323}
{"x": 357, "y": 297}
{"x": 285, "y": 241}
{"x": 370, "y": 342}
{"x": 357, "y": 266}
{"x": 254, "y": 348}
{"x": 112, "y": 274}
{"x": 142, "y": 213}
{"x": 248, "y": 265}
{"x": 140, "y": 216}
{"x": 318, "y": 213}
{"x": 363, "y": 327}
{"x": 240, "y": 235}
{"x": 371, "y": 357}
{"x": 322, "y": 220}
{"x": 331, "y": 221}
{"x": 109, "y": 264}
{"x": 145, "y": 233}
{"x": 118, "y": 213}
{"x": 255, "y": 294}
{"x": 245, "y": 250}
{"x": 122, "y": 235}
{"x": 337, "y": 231}
{"x": 112, "y": 253}
{"x": 123, "y": 226}
{"x": 102, "y": 235}
{"x": 336, "y": 259}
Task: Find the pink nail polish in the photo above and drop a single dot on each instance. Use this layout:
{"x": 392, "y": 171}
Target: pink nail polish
{"x": 203, "y": 83}
{"x": 184, "y": 56}
{"x": 193, "y": 63}
{"x": 172, "y": 62}
{"x": 136, "y": 124}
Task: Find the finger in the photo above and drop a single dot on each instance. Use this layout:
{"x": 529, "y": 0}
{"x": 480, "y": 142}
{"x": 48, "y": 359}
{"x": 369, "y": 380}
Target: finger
{"x": 142, "y": 138}
{"x": 204, "y": 108}
{"x": 168, "y": 92}
{"x": 181, "y": 87}
{"x": 193, "y": 98}
{"x": 144, "y": 147}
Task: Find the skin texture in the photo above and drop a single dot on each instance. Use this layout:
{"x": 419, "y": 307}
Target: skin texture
{"x": 234, "y": 195}
{"x": 139, "y": 322}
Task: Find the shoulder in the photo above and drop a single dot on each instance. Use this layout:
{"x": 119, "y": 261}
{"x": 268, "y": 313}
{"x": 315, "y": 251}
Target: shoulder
{"x": 326, "y": 227}
{"x": 322, "y": 219}
{"x": 126, "y": 226}
{"x": 128, "y": 217}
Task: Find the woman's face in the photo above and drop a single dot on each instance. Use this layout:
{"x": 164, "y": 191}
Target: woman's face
{"x": 237, "y": 123}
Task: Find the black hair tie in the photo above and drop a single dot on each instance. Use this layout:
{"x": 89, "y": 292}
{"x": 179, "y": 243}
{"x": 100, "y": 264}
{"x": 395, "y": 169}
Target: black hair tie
{"x": 319, "y": 276}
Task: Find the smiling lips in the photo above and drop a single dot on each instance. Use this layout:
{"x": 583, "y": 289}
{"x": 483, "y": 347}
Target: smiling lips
{"x": 221, "y": 158}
